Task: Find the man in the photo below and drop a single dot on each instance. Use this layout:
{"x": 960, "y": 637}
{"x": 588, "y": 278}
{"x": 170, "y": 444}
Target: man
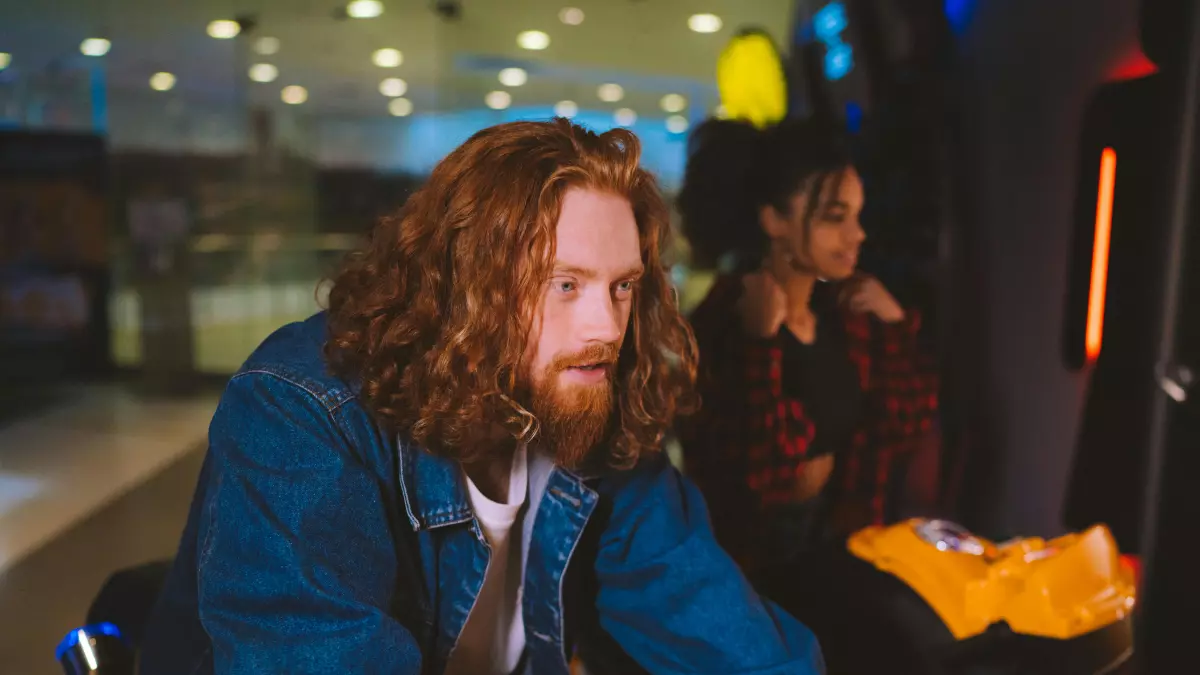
{"x": 457, "y": 468}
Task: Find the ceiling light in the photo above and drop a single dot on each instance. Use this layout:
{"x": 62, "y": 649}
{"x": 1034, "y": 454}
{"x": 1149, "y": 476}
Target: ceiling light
{"x": 95, "y": 47}
{"x": 267, "y": 45}
{"x": 393, "y": 87}
{"x": 263, "y": 72}
{"x": 364, "y": 9}
{"x": 387, "y": 57}
{"x": 673, "y": 103}
{"x": 513, "y": 77}
{"x": 162, "y": 81}
{"x": 533, "y": 39}
{"x": 294, "y": 94}
{"x": 677, "y": 124}
{"x": 572, "y": 16}
{"x": 566, "y": 109}
{"x": 223, "y": 29}
{"x": 704, "y": 23}
{"x": 610, "y": 93}
{"x": 498, "y": 100}
{"x": 625, "y": 117}
{"x": 5, "y": 60}
{"x": 400, "y": 107}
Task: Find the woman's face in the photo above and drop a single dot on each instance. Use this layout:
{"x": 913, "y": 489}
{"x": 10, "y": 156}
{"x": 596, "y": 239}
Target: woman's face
{"x": 828, "y": 246}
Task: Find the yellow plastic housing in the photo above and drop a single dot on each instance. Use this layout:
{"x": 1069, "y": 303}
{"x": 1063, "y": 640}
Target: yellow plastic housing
{"x": 1061, "y": 588}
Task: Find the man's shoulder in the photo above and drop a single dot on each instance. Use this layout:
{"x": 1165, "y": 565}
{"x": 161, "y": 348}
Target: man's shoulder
{"x": 295, "y": 354}
{"x": 646, "y": 475}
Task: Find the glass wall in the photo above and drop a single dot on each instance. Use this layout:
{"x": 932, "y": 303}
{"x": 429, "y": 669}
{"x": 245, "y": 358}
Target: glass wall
{"x": 246, "y": 153}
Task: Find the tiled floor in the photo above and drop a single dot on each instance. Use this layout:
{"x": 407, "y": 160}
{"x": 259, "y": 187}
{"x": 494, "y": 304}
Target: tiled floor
{"x": 48, "y": 593}
{"x": 60, "y": 465}
{"x": 98, "y": 483}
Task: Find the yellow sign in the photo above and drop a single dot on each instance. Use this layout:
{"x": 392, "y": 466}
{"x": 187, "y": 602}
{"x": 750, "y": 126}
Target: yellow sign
{"x": 751, "y": 81}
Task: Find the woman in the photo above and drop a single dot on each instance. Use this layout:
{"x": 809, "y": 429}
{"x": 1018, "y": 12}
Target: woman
{"x": 813, "y": 400}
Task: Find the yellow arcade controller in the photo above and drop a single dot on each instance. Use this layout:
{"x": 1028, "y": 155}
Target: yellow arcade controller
{"x": 1059, "y": 588}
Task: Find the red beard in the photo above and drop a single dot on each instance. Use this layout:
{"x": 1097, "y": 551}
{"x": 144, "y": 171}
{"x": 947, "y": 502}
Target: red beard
{"x": 574, "y": 417}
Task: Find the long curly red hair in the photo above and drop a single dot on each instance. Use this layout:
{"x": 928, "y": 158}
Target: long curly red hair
{"x": 431, "y": 317}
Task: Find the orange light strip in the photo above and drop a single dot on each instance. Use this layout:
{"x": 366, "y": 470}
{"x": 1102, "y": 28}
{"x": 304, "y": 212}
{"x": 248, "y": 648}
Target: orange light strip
{"x": 1099, "y": 286}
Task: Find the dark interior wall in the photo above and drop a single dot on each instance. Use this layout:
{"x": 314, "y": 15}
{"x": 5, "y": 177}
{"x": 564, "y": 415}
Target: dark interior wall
{"x": 1025, "y": 72}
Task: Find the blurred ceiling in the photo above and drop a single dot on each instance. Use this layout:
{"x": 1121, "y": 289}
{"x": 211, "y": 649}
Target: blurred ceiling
{"x": 448, "y": 64}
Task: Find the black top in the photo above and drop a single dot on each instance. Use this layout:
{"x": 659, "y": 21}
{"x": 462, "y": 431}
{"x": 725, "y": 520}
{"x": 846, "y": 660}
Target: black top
{"x": 822, "y": 377}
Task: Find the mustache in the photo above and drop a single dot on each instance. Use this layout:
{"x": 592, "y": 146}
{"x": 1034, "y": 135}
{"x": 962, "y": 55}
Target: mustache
{"x": 602, "y": 354}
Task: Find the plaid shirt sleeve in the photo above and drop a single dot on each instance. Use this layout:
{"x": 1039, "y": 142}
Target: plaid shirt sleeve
{"x": 907, "y": 381}
{"x": 746, "y": 423}
{"x": 902, "y": 388}
{"x": 747, "y": 444}
{"x": 749, "y": 441}
{"x": 774, "y": 429}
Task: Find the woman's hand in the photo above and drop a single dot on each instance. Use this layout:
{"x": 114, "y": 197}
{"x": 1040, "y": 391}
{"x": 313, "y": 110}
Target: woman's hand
{"x": 812, "y": 477}
{"x": 763, "y": 306}
{"x": 864, "y": 294}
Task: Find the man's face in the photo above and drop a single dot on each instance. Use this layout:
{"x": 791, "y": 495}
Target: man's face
{"x": 581, "y": 320}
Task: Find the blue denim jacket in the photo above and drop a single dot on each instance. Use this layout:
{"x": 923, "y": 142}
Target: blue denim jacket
{"x": 316, "y": 543}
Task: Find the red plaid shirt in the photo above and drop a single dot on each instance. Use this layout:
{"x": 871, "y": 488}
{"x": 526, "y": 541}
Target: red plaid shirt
{"x": 749, "y": 442}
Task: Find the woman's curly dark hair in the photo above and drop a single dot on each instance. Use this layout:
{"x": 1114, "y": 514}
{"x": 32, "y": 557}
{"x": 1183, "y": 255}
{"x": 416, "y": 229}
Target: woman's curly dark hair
{"x": 734, "y": 169}
{"x": 431, "y": 318}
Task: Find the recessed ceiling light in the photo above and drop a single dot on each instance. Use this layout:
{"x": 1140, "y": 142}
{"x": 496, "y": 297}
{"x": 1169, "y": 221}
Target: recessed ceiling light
{"x": 677, "y": 124}
{"x": 673, "y": 103}
{"x": 364, "y": 9}
{"x": 566, "y": 109}
{"x": 513, "y": 77}
{"x": 625, "y": 117}
{"x": 294, "y": 94}
{"x": 263, "y": 72}
{"x": 267, "y": 45}
{"x": 498, "y": 100}
{"x": 400, "y": 107}
{"x": 223, "y": 29}
{"x": 572, "y": 16}
{"x": 387, "y": 57}
{"x": 162, "y": 81}
{"x": 393, "y": 87}
{"x": 5, "y": 60}
{"x": 610, "y": 93}
{"x": 95, "y": 47}
{"x": 704, "y": 23}
{"x": 533, "y": 39}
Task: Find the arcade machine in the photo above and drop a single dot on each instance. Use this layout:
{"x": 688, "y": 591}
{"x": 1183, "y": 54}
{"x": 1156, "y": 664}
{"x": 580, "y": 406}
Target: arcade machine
{"x": 1131, "y": 321}
{"x": 925, "y": 595}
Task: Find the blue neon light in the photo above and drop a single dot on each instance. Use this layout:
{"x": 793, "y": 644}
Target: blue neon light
{"x": 827, "y": 27}
{"x": 72, "y": 639}
{"x": 839, "y": 59}
{"x": 958, "y": 13}
{"x": 829, "y": 22}
{"x": 98, "y": 85}
{"x": 854, "y": 117}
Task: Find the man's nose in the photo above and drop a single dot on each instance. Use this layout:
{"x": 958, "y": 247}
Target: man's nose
{"x": 601, "y": 321}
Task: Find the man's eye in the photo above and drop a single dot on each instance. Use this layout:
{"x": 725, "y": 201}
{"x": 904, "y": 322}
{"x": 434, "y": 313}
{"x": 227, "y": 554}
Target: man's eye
{"x": 625, "y": 287}
{"x": 564, "y": 286}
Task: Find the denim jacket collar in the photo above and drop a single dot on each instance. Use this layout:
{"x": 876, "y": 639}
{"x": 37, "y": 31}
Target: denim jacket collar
{"x": 433, "y": 490}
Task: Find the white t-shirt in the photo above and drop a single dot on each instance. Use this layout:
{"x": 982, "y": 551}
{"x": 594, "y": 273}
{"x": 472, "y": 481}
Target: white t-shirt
{"x": 493, "y": 638}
